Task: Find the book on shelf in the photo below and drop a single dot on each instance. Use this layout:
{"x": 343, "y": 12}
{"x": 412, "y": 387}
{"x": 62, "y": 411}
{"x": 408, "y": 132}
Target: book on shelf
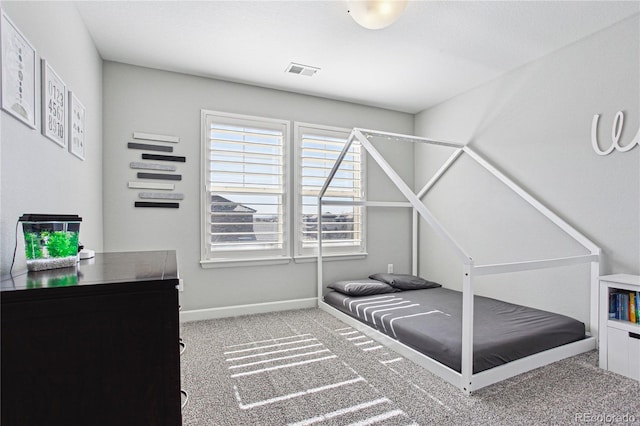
{"x": 624, "y": 305}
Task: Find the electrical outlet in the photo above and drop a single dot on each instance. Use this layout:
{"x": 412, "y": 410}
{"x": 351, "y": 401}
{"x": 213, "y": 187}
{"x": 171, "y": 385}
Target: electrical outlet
{"x": 180, "y": 284}
{"x": 390, "y": 268}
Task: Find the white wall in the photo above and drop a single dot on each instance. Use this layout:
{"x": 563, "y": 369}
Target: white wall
{"x": 142, "y": 99}
{"x": 39, "y": 176}
{"x": 534, "y": 124}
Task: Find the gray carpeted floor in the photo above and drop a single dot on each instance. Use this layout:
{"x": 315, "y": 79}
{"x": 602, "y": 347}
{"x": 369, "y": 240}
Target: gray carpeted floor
{"x": 306, "y": 367}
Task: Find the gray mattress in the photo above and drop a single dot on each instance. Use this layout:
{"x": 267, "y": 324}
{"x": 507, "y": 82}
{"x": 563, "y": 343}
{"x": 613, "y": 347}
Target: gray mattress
{"x": 430, "y": 321}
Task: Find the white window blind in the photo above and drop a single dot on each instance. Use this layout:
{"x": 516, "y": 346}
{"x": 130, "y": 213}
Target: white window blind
{"x": 318, "y": 147}
{"x": 245, "y": 176}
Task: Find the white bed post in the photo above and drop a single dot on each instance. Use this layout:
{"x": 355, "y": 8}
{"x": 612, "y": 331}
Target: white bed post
{"x": 414, "y": 244}
{"x": 595, "y": 305}
{"x": 467, "y": 329}
{"x": 319, "y": 230}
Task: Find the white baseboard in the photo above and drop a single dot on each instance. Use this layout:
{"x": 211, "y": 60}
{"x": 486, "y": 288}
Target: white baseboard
{"x": 256, "y": 308}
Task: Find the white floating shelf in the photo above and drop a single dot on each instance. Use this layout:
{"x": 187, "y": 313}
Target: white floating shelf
{"x": 162, "y": 195}
{"x": 154, "y": 137}
{"x": 147, "y": 185}
{"x": 152, "y": 166}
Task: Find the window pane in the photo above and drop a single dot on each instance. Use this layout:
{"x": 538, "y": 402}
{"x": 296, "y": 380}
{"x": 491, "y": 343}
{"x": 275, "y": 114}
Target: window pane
{"x": 341, "y": 225}
{"x": 250, "y": 226}
{"x": 246, "y": 184}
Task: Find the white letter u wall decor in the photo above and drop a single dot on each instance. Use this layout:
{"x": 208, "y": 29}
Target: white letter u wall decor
{"x": 616, "y": 131}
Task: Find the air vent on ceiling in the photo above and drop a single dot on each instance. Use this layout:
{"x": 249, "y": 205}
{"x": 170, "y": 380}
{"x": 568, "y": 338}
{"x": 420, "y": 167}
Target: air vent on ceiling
{"x": 300, "y": 69}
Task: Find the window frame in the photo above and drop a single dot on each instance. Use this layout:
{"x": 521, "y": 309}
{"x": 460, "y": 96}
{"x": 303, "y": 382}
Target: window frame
{"x": 210, "y": 259}
{"x": 302, "y": 254}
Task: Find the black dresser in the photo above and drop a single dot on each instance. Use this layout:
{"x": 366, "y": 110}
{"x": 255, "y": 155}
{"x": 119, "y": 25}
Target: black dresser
{"x": 95, "y": 344}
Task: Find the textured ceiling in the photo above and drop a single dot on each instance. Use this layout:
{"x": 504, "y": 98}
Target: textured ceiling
{"x": 436, "y": 50}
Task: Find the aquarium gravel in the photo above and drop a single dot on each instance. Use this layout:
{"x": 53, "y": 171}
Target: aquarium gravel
{"x": 51, "y": 263}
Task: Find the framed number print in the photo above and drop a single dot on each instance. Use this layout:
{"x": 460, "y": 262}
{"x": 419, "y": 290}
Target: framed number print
{"x": 54, "y": 106}
{"x": 76, "y": 126}
{"x": 18, "y": 73}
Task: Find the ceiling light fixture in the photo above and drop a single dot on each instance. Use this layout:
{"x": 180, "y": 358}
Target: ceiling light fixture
{"x": 376, "y": 14}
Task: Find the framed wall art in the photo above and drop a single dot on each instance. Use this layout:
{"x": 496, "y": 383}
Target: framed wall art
{"x": 18, "y": 73}
{"x": 77, "y": 138}
{"x": 54, "y": 105}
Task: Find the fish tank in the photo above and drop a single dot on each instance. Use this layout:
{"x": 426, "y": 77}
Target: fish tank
{"x": 50, "y": 240}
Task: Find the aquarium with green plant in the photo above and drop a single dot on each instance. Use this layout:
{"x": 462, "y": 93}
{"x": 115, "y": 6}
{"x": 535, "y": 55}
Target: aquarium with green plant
{"x": 50, "y": 241}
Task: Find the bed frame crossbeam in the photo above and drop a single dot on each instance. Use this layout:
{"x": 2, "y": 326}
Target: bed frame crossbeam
{"x": 405, "y": 138}
{"x": 465, "y": 380}
{"x": 367, "y": 203}
{"x": 529, "y": 265}
{"x": 438, "y": 174}
{"x": 415, "y": 224}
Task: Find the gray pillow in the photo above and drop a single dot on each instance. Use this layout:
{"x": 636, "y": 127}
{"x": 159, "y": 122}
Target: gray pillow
{"x": 361, "y": 287}
{"x": 404, "y": 281}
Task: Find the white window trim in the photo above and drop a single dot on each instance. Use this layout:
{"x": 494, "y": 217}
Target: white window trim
{"x": 330, "y": 257}
{"x": 330, "y": 253}
{"x": 243, "y": 258}
{"x": 231, "y": 263}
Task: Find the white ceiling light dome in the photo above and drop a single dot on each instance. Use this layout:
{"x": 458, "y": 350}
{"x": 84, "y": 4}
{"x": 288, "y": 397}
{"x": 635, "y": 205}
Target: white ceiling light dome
{"x": 376, "y": 14}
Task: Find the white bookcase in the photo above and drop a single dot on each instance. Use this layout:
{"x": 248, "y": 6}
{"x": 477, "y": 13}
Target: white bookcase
{"x": 619, "y": 343}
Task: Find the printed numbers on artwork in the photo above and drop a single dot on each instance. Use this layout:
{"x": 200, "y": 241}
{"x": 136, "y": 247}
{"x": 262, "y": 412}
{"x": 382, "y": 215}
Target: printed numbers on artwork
{"x": 55, "y": 109}
{"x": 54, "y": 106}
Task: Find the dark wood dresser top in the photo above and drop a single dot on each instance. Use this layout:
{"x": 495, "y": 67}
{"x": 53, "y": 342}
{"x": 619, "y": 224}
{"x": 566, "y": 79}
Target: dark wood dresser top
{"x": 104, "y": 268}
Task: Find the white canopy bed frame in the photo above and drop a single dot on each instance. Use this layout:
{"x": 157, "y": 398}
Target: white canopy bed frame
{"x": 466, "y": 380}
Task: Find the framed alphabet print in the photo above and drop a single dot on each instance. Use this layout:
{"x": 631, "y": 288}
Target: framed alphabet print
{"x": 76, "y": 126}
{"x": 54, "y": 106}
{"x": 18, "y": 73}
